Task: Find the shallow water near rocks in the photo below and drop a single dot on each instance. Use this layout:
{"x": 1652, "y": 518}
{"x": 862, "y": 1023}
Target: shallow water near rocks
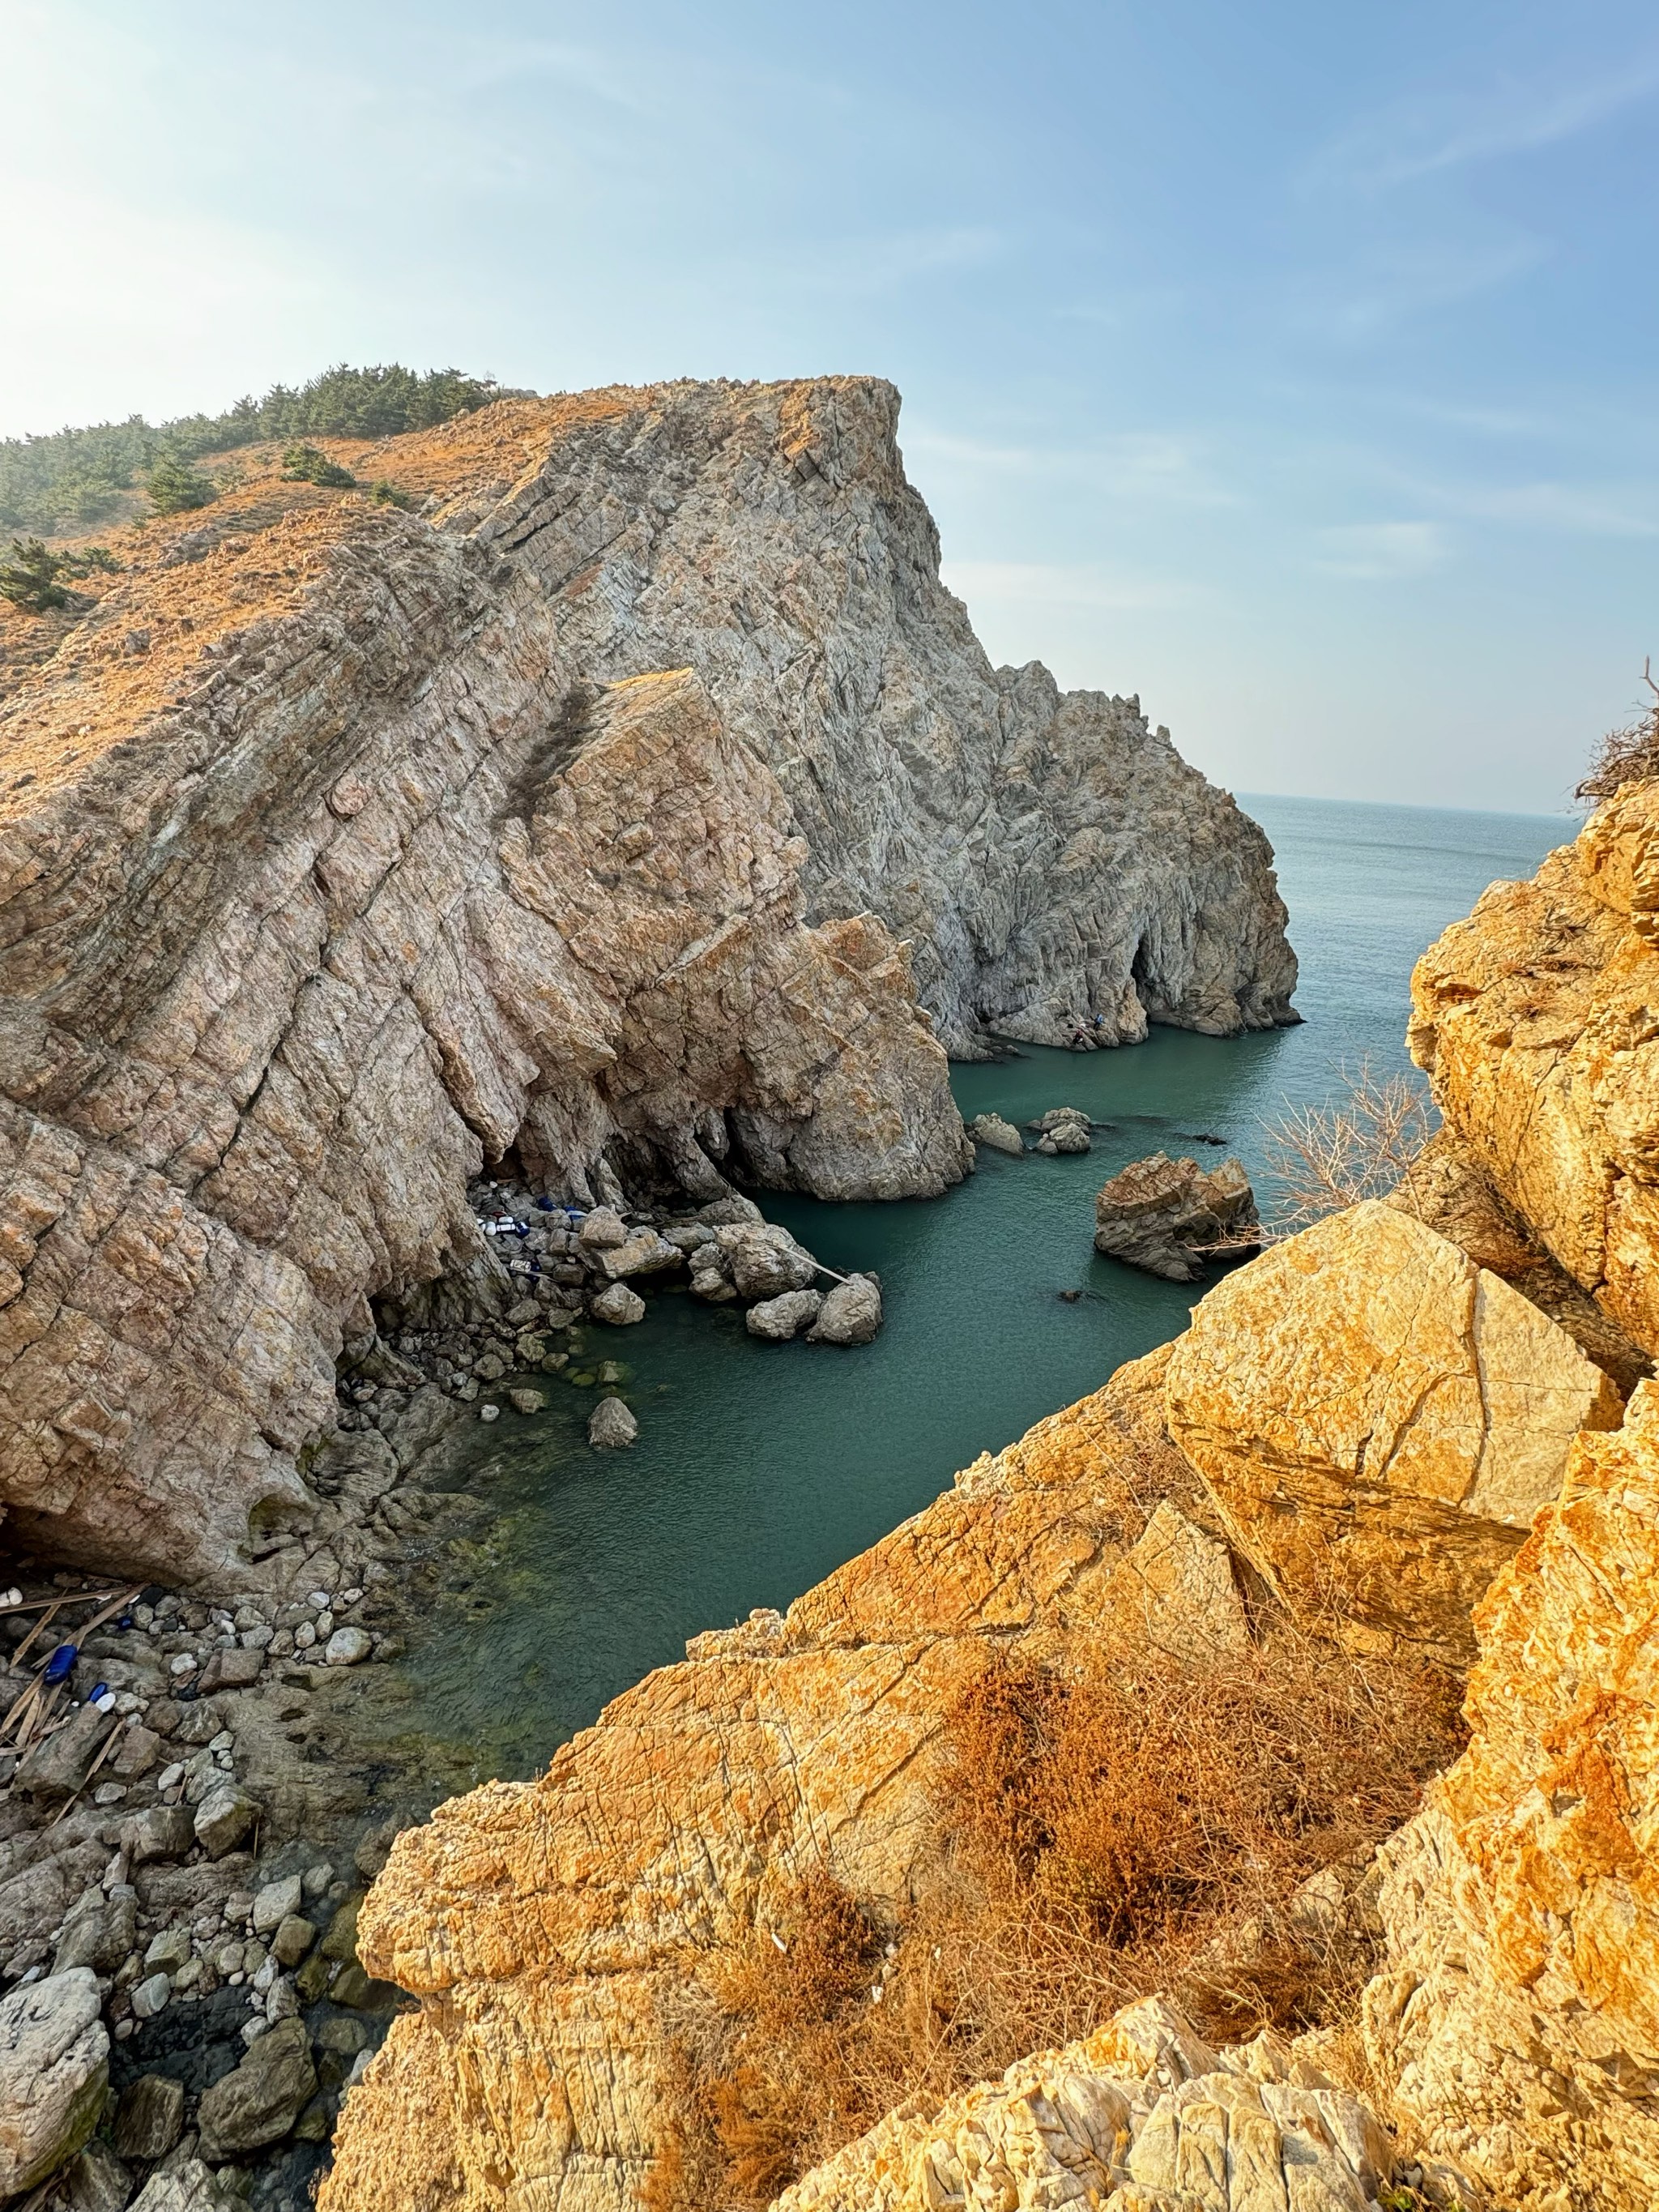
{"x": 760, "y": 1468}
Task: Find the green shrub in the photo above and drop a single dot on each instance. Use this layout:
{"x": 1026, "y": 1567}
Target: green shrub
{"x": 175, "y": 487}
{"x": 390, "y": 494}
{"x": 31, "y": 578}
{"x": 69, "y": 479}
{"x": 307, "y": 464}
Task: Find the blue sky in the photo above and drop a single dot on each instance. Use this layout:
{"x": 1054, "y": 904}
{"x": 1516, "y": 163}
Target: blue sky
{"x": 1290, "y": 365}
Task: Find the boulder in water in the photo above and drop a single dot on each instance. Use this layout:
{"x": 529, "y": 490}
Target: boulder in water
{"x": 1166, "y": 1215}
{"x": 779, "y": 1319}
{"x": 1001, "y": 1136}
{"x": 765, "y": 1259}
{"x": 851, "y": 1314}
{"x": 619, "y": 1306}
{"x": 610, "y": 1425}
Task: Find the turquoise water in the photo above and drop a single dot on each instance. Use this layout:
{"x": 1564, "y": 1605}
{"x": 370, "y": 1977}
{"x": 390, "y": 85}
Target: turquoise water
{"x": 759, "y": 1468}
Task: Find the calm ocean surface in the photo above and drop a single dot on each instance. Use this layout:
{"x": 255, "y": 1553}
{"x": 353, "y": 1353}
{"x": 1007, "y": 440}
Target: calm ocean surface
{"x": 761, "y": 1468}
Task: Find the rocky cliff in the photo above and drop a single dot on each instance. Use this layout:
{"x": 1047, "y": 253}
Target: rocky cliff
{"x": 343, "y": 850}
{"x": 1371, "y": 1382}
{"x": 1534, "y": 1021}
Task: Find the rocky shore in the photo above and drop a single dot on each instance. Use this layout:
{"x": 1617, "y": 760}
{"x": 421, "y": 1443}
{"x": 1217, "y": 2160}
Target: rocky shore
{"x": 188, "y": 1818}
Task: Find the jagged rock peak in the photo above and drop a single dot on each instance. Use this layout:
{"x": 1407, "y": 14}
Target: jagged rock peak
{"x": 1052, "y": 860}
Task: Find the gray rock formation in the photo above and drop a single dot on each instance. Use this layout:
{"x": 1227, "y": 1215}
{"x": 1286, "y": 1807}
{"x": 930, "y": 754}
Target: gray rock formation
{"x": 1163, "y": 1215}
{"x": 850, "y": 1314}
{"x": 396, "y": 852}
{"x": 1050, "y": 858}
{"x": 610, "y": 1425}
{"x": 54, "y": 2070}
{"x": 999, "y": 1134}
{"x": 777, "y": 1320}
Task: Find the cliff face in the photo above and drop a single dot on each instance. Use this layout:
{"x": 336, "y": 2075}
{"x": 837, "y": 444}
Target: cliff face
{"x": 340, "y": 852}
{"x": 1370, "y": 1383}
{"x": 383, "y": 892}
{"x": 1519, "y": 2021}
{"x": 1049, "y": 856}
{"x": 1534, "y": 1021}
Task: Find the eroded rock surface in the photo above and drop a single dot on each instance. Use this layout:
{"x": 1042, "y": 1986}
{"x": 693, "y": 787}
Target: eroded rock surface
{"x": 1534, "y": 1019}
{"x": 1049, "y": 855}
{"x": 541, "y": 1922}
{"x": 1519, "y": 2023}
{"x": 1166, "y": 1216}
{"x": 1378, "y": 1421}
{"x": 1145, "y": 2107}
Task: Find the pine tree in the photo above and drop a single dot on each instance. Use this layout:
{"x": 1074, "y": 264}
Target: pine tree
{"x": 175, "y": 487}
{"x": 307, "y": 464}
{"x": 29, "y": 578}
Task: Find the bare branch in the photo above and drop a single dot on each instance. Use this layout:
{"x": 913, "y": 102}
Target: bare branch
{"x": 1360, "y": 1146}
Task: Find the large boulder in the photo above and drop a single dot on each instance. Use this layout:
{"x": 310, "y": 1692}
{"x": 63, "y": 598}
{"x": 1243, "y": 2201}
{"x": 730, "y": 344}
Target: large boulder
{"x": 1517, "y": 2022}
{"x": 850, "y": 1314}
{"x": 192, "y": 2187}
{"x": 1533, "y": 1020}
{"x": 258, "y": 2101}
{"x": 777, "y": 1320}
{"x": 1378, "y": 1420}
{"x": 54, "y": 2071}
{"x": 999, "y": 1135}
{"x": 60, "y": 1763}
{"x": 765, "y": 1261}
{"x": 1166, "y": 1216}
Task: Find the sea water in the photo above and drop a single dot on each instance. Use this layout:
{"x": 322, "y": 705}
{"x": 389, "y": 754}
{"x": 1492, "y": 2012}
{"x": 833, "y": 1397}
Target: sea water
{"x": 760, "y": 1468}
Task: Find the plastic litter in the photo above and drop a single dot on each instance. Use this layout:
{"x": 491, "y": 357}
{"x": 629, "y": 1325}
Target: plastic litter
{"x": 61, "y": 1664}
{"x": 106, "y": 1703}
{"x": 98, "y": 1690}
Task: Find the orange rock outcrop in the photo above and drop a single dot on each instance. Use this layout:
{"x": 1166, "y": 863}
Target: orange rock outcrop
{"x": 541, "y": 1922}
{"x": 1518, "y": 2022}
{"x": 1534, "y": 1021}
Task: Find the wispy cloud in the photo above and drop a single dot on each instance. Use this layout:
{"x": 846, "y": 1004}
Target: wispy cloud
{"x": 1402, "y": 281}
{"x": 1428, "y": 135}
{"x": 1381, "y": 552}
{"x": 1159, "y": 465}
{"x": 1057, "y": 584}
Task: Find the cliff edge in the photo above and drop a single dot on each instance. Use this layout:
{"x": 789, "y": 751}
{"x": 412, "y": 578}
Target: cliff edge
{"x": 643, "y": 808}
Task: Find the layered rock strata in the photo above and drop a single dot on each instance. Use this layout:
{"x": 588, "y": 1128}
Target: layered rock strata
{"x": 340, "y": 853}
{"x": 1518, "y": 2022}
{"x": 389, "y": 894}
{"x": 1534, "y": 1021}
{"x": 1143, "y": 2116}
{"x": 1050, "y": 857}
{"x": 1378, "y": 1420}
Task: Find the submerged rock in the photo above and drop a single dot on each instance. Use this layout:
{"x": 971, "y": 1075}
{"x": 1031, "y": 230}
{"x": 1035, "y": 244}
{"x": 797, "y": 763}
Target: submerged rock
{"x": 1001, "y": 1136}
{"x": 610, "y": 1425}
{"x": 1162, "y": 1214}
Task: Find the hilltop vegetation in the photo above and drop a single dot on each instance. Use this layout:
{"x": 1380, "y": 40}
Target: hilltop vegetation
{"x": 70, "y": 479}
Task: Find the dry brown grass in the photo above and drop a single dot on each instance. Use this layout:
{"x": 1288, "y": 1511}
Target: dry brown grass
{"x": 1101, "y": 1831}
